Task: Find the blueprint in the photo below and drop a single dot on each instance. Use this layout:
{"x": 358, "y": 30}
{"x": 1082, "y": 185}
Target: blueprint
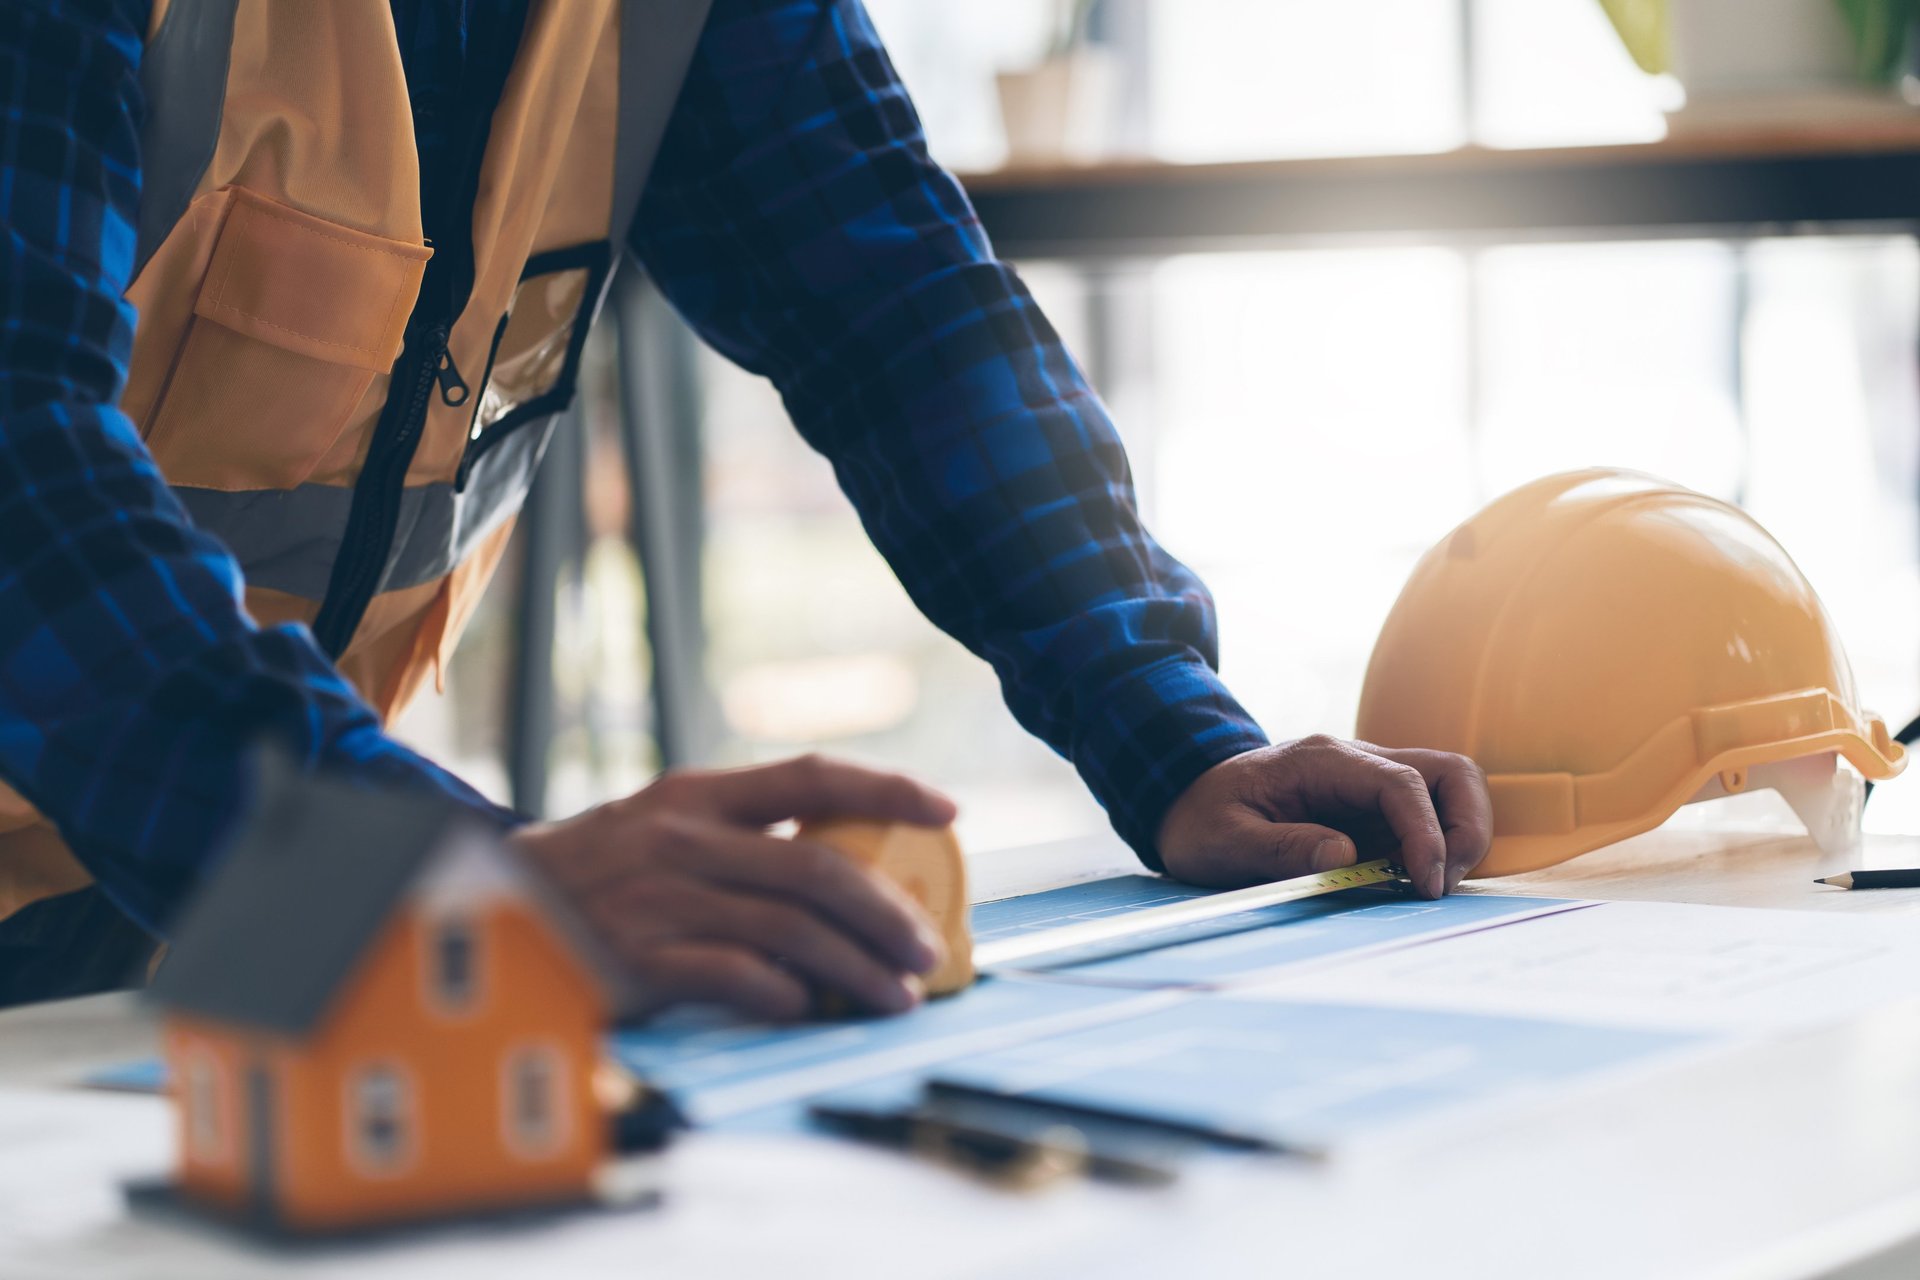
{"x": 1237, "y": 948}
{"x": 727, "y": 1072}
{"x": 1738, "y": 971}
{"x": 1306, "y": 1076}
{"x": 1093, "y": 900}
{"x": 719, "y": 1068}
{"x": 1306, "y": 1025}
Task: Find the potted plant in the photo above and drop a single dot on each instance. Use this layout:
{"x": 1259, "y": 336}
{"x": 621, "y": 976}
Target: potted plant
{"x": 1061, "y": 109}
{"x": 1739, "y": 54}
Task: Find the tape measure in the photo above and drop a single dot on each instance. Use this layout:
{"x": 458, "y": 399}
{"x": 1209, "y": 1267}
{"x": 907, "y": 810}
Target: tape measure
{"x": 1140, "y": 930}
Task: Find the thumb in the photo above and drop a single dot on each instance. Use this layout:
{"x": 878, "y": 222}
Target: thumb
{"x": 1257, "y": 852}
{"x": 1302, "y": 848}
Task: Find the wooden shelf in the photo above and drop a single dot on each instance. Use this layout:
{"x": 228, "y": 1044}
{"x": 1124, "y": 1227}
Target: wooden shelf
{"x": 1856, "y": 176}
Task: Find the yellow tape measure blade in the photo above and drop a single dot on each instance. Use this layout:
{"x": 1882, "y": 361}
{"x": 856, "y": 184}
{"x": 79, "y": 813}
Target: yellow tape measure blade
{"x": 1132, "y": 925}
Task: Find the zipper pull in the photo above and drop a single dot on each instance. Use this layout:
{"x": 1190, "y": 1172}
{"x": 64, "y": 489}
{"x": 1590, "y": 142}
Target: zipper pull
{"x": 453, "y": 388}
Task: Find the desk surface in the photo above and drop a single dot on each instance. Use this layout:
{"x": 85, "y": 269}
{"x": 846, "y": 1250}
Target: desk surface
{"x": 1794, "y": 1158}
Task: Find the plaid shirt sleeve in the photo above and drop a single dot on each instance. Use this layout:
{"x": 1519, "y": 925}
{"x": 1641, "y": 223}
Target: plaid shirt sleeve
{"x": 132, "y": 683}
{"x": 797, "y": 221}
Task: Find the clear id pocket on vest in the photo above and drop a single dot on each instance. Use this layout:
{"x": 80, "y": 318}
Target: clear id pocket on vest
{"x": 535, "y": 361}
{"x": 293, "y": 320}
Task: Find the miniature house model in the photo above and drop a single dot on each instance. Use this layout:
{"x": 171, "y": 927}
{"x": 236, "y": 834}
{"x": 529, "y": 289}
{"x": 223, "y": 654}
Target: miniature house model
{"x": 374, "y": 1013}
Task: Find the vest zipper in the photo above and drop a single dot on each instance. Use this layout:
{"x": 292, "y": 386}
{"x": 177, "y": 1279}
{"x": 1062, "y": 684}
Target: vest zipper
{"x": 454, "y": 390}
{"x": 376, "y": 495}
{"x": 374, "y": 515}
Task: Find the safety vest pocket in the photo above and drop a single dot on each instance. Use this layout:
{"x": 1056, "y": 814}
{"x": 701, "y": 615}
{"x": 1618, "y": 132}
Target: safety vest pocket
{"x": 294, "y": 320}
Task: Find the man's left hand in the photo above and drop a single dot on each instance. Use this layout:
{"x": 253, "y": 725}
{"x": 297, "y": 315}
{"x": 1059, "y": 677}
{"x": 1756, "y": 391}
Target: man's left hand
{"x": 1321, "y": 803}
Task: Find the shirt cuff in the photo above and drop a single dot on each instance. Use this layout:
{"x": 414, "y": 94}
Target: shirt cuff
{"x": 1153, "y": 732}
{"x": 372, "y": 759}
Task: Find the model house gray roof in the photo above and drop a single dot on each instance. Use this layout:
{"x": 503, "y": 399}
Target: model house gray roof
{"x": 307, "y": 882}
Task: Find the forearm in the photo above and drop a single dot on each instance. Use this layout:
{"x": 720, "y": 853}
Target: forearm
{"x": 1001, "y": 495}
{"x": 133, "y": 687}
{"x": 819, "y": 244}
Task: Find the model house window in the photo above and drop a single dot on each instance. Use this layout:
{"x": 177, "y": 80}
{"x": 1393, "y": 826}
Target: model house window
{"x": 535, "y": 1108}
{"x": 203, "y": 1107}
{"x": 453, "y": 963}
{"x": 379, "y": 1118}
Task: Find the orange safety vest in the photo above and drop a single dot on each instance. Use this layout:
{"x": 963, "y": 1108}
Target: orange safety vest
{"x": 287, "y": 373}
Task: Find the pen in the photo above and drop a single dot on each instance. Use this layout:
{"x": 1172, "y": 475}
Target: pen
{"x": 1010, "y": 1144}
{"x": 1021, "y": 1161}
{"x": 1908, "y": 878}
{"x": 1085, "y": 1114}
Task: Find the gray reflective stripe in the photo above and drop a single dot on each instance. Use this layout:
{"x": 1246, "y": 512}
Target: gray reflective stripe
{"x": 442, "y": 527}
{"x": 183, "y": 76}
{"x": 656, "y": 44}
{"x": 287, "y": 539}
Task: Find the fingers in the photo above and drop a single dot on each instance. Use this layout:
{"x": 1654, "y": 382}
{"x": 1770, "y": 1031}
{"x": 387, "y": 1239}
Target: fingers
{"x": 715, "y": 973}
{"x": 613, "y": 846}
{"x": 1459, "y": 791}
{"x": 655, "y": 925}
{"x": 798, "y": 941}
{"x": 1254, "y": 851}
{"x": 862, "y": 902}
{"x": 806, "y": 909}
{"x": 647, "y": 915}
{"x": 684, "y": 875}
{"x": 814, "y": 787}
{"x": 1271, "y": 812}
{"x": 1359, "y": 779}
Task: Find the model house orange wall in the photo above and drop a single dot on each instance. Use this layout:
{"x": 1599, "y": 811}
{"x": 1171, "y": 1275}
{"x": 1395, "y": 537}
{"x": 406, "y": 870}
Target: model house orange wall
{"x": 205, "y": 1065}
{"x": 529, "y": 992}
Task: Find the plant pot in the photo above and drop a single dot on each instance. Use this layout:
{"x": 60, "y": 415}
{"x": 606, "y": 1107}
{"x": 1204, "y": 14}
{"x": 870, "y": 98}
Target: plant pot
{"x": 1788, "y": 60}
{"x": 1062, "y": 110}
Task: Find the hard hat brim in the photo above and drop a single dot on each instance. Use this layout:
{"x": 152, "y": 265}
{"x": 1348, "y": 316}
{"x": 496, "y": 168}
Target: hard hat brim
{"x": 1541, "y": 819}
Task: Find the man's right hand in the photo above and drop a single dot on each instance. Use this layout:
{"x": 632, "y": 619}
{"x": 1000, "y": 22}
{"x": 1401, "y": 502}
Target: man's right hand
{"x": 689, "y": 891}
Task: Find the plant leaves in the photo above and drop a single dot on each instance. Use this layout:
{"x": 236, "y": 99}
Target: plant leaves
{"x": 1879, "y": 36}
{"x": 1642, "y": 25}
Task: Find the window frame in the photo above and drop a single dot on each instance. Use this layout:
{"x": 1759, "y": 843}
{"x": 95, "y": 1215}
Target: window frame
{"x": 203, "y": 1100}
{"x": 465, "y": 1002}
{"x": 404, "y": 1149}
{"x": 555, "y": 1135}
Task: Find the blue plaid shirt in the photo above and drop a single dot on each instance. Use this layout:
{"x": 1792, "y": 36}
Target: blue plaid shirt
{"x": 796, "y": 220}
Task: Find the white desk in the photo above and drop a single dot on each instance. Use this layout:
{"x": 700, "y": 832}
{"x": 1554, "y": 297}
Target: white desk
{"x": 1798, "y": 1158}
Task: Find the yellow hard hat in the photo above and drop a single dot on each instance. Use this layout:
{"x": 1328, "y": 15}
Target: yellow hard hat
{"x": 1608, "y": 646}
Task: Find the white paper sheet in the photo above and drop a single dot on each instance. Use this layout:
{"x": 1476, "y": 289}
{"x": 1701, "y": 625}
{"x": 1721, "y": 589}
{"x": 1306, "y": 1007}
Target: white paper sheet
{"x": 1646, "y": 964}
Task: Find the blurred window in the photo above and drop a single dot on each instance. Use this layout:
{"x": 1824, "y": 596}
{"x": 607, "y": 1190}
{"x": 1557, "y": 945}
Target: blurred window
{"x": 206, "y": 1134}
{"x": 532, "y": 1117}
{"x": 378, "y": 1119}
{"x": 453, "y": 963}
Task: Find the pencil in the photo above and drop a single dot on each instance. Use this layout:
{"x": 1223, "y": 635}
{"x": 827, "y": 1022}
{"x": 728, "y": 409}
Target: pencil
{"x": 1903, "y": 879}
